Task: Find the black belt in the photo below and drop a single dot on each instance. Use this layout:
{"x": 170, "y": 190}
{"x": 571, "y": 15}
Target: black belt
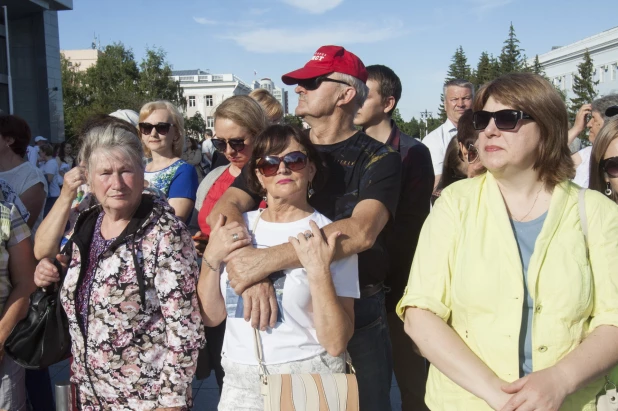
{"x": 372, "y": 289}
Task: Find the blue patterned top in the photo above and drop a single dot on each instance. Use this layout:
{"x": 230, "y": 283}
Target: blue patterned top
{"x": 178, "y": 180}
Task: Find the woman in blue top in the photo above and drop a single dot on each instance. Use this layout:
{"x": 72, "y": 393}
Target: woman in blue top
{"x": 161, "y": 128}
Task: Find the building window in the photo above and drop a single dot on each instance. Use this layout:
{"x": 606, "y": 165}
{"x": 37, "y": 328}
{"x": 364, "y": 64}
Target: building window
{"x": 209, "y": 101}
{"x": 210, "y": 122}
{"x": 191, "y": 101}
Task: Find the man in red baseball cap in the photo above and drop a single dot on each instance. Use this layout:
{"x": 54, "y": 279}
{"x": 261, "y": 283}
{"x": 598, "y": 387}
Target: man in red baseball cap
{"x": 360, "y": 196}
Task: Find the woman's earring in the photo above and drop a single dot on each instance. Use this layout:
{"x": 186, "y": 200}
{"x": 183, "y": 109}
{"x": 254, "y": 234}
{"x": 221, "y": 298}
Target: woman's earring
{"x": 608, "y": 190}
{"x": 311, "y": 191}
{"x": 265, "y": 199}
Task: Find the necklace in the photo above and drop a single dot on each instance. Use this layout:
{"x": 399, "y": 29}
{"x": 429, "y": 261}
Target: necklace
{"x": 531, "y": 208}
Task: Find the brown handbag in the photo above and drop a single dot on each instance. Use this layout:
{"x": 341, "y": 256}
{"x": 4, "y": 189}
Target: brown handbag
{"x": 317, "y": 392}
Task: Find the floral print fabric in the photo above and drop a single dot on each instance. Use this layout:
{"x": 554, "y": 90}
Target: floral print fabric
{"x": 136, "y": 355}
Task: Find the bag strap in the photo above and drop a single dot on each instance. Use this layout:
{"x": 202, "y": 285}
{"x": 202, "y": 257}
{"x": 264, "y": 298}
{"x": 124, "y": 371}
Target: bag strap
{"x": 259, "y": 354}
{"x": 583, "y": 219}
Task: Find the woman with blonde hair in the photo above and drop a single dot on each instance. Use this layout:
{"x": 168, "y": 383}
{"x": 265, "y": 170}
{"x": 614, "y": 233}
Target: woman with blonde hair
{"x": 161, "y": 128}
{"x": 604, "y": 161}
{"x": 515, "y": 308}
{"x": 238, "y": 120}
{"x": 271, "y": 106}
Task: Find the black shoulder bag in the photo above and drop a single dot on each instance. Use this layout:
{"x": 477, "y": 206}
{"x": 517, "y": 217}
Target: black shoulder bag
{"x": 42, "y": 338}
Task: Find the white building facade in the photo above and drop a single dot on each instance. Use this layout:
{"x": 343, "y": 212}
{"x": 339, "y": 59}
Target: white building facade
{"x": 279, "y": 93}
{"x": 205, "y": 91}
{"x": 560, "y": 64}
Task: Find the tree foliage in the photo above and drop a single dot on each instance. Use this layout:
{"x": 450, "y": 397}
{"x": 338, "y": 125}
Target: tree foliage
{"x": 584, "y": 86}
{"x": 292, "y": 120}
{"x": 195, "y": 126}
{"x": 116, "y": 82}
{"x": 511, "y": 58}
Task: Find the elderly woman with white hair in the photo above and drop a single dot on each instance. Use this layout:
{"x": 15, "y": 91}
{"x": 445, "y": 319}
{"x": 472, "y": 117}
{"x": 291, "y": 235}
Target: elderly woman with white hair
{"x": 130, "y": 288}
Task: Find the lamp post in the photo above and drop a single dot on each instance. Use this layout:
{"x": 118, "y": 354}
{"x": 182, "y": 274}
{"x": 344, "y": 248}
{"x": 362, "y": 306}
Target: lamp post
{"x": 424, "y": 116}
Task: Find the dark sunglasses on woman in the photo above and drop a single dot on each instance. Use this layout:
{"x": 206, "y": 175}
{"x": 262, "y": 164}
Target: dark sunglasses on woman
{"x": 162, "y": 128}
{"x": 504, "y": 119}
{"x": 316, "y": 82}
{"x": 610, "y": 166}
{"x": 237, "y": 144}
{"x": 269, "y": 165}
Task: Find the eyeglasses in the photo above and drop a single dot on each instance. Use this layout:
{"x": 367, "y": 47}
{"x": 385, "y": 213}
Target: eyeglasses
{"x": 316, "y": 82}
{"x": 504, "y": 119}
{"x": 162, "y": 128}
{"x": 269, "y": 165}
{"x": 236, "y": 144}
{"x": 473, "y": 154}
{"x": 610, "y": 166}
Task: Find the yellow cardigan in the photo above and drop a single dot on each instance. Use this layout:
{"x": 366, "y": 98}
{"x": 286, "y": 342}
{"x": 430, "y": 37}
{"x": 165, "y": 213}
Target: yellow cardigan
{"x": 467, "y": 271}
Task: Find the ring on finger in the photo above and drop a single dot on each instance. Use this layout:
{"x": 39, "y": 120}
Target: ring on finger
{"x": 308, "y": 235}
{"x": 235, "y": 237}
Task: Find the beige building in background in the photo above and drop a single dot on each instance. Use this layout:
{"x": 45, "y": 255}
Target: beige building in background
{"x": 81, "y": 60}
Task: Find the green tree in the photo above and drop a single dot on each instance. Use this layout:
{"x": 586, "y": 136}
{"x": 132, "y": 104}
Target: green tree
{"x": 511, "y": 59}
{"x": 537, "y": 68}
{"x": 155, "y": 82}
{"x": 112, "y": 83}
{"x": 584, "y": 87}
{"x": 399, "y": 121}
{"x": 195, "y": 126}
{"x": 484, "y": 72}
{"x": 414, "y": 128}
{"x": 74, "y": 100}
{"x": 292, "y": 120}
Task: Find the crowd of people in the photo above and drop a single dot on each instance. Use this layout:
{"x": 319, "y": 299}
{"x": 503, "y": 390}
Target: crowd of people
{"x": 476, "y": 266}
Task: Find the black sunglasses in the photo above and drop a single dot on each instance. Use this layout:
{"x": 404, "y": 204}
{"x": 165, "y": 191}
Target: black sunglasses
{"x": 269, "y": 165}
{"x": 162, "y": 128}
{"x": 610, "y": 166}
{"x": 237, "y": 144}
{"x": 504, "y": 119}
{"x": 316, "y": 82}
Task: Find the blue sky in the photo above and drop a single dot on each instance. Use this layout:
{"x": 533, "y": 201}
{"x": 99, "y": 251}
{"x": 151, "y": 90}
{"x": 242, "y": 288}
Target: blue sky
{"x": 415, "y": 38}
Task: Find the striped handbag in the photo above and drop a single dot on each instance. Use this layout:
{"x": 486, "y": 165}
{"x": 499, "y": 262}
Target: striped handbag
{"x": 307, "y": 392}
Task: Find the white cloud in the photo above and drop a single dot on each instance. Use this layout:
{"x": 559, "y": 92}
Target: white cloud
{"x": 202, "y": 20}
{"x": 314, "y": 6}
{"x": 487, "y": 5}
{"x": 298, "y": 41}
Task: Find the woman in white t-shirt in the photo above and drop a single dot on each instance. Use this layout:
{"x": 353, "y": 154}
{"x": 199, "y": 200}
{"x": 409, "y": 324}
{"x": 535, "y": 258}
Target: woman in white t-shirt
{"x": 315, "y": 315}
{"x": 23, "y": 177}
{"x": 50, "y": 168}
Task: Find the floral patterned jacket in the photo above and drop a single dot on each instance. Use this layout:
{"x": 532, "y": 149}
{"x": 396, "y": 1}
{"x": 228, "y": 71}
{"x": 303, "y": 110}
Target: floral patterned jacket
{"x": 142, "y": 340}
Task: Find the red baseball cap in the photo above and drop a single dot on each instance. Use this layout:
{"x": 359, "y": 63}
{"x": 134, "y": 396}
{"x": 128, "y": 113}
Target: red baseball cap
{"x": 326, "y": 60}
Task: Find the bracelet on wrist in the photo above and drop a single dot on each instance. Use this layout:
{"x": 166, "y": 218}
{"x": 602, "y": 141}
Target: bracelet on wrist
{"x": 205, "y": 261}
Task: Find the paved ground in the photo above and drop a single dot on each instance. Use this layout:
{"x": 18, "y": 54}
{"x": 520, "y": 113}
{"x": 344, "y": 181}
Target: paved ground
{"x": 205, "y": 392}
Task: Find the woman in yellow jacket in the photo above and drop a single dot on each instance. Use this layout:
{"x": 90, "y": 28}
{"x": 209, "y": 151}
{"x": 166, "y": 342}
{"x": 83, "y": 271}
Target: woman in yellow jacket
{"x": 502, "y": 298}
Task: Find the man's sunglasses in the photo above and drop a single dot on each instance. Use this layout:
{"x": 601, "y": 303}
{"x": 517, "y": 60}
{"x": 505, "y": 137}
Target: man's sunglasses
{"x": 269, "y": 165}
{"x": 504, "y": 119}
{"x": 237, "y": 144}
{"x": 162, "y": 128}
{"x": 316, "y": 82}
{"x": 610, "y": 166}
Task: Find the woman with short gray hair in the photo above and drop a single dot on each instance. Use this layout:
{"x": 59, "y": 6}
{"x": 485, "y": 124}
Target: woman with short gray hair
{"x": 130, "y": 288}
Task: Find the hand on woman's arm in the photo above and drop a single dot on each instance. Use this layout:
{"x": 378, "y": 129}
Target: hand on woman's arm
{"x": 220, "y": 245}
{"x": 333, "y": 315}
{"x": 51, "y": 230}
{"x": 547, "y": 389}
{"x": 441, "y": 345}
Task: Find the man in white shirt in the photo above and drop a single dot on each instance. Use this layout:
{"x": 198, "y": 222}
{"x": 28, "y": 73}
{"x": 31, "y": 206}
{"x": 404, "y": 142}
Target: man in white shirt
{"x": 458, "y": 96}
{"x": 33, "y": 151}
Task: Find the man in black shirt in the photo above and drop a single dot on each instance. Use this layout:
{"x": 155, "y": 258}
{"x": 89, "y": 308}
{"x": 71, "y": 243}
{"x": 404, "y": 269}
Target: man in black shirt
{"x": 401, "y": 237}
{"x": 360, "y": 196}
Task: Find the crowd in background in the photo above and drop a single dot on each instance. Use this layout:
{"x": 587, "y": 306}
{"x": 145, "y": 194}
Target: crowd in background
{"x": 477, "y": 266}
